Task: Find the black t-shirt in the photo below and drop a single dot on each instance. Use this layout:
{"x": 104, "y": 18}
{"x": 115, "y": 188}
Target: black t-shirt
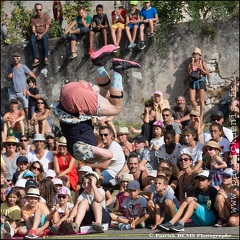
{"x": 177, "y": 114}
{"x": 31, "y": 100}
{"x": 102, "y": 20}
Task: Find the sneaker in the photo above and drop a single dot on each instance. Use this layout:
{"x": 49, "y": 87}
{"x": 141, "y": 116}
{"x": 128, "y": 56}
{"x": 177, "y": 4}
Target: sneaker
{"x": 7, "y": 226}
{"x": 98, "y": 227}
{"x": 132, "y": 45}
{"x": 221, "y": 222}
{"x": 141, "y": 225}
{"x": 124, "y": 64}
{"x": 98, "y": 58}
{"x": 142, "y": 45}
{"x": 125, "y": 226}
{"x": 177, "y": 227}
{"x": 90, "y": 51}
{"x": 72, "y": 227}
{"x": 74, "y": 55}
{"x": 55, "y": 230}
{"x": 164, "y": 226}
{"x": 32, "y": 234}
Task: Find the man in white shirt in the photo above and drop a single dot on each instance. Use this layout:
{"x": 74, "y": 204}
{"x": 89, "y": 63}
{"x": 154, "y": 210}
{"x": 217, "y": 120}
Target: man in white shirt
{"x": 218, "y": 117}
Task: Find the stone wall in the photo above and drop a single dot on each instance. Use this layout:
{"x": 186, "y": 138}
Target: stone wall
{"x": 163, "y": 68}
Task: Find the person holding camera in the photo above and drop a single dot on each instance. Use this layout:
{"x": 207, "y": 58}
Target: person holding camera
{"x": 197, "y": 72}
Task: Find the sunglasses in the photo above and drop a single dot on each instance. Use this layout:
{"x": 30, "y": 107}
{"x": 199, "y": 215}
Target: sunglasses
{"x": 40, "y": 103}
{"x": 12, "y": 144}
{"x": 37, "y": 141}
{"x": 165, "y": 115}
{"x": 62, "y": 196}
{"x": 209, "y": 149}
{"x": 36, "y": 168}
{"x": 216, "y": 118}
{"x": 38, "y": 10}
{"x": 105, "y": 135}
{"x": 148, "y": 105}
{"x": 184, "y": 159}
{"x": 23, "y": 140}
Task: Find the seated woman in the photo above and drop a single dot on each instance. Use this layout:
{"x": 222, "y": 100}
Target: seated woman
{"x": 65, "y": 164}
{"x": 13, "y": 121}
{"x": 41, "y": 120}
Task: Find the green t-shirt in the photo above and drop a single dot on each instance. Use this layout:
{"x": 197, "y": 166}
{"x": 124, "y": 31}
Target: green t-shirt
{"x": 88, "y": 20}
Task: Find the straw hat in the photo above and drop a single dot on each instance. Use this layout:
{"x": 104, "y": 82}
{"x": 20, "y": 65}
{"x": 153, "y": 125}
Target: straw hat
{"x": 212, "y": 144}
{"x": 195, "y": 113}
{"x": 11, "y": 139}
{"x": 126, "y": 177}
{"x": 123, "y": 130}
{"x": 33, "y": 192}
{"x": 62, "y": 141}
{"x": 118, "y": 4}
{"x": 198, "y": 51}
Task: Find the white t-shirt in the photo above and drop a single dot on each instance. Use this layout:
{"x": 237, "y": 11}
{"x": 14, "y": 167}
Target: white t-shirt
{"x": 90, "y": 198}
{"x": 224, "y": 144}
{"x": 173, "y": 157}
{"x": 153, "y": 157}
{"x": 45, "y": 160}
{"x": 227, "y": 132}
{"x": 196, "y": 152}
{"x": 118, "y": 160}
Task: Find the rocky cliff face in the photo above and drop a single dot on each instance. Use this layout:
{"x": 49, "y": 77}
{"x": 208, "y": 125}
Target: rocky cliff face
{"x": 163, "y": 68}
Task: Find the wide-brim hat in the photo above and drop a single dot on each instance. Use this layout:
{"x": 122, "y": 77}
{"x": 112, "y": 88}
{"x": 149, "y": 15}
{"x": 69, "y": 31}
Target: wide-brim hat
{"x": 195, "y": 113}
{"x": 198, "y": 51}
{"x": 123, "y": 130}
{"x": 62, "y": 141}
{"x": 33, "y": 192}
{"x": 126, "y": 177}
{"x": 212, "y": 144}
{"x": 11, "y": 139}
{"x": 117, "y": 4}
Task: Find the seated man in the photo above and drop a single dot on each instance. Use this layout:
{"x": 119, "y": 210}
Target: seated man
{"x": 13, "y": 121}
{"x": 84, "y": 100}
{"x": 40, "y": 24}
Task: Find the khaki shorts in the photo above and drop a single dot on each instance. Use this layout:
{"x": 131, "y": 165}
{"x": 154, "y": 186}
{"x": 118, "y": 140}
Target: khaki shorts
{"x": 118, "y": 25}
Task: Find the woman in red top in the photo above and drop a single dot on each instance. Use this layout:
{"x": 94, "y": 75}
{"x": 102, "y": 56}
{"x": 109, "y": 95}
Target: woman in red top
{"x": 65, "y": 164}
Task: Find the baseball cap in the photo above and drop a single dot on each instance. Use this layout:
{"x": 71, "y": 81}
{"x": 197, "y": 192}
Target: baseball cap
{"x": 217, "y": 114}
{"x": 21, "y": 159}
{"x": 133, "y": 185}
{"x": 153, "y": 173}
{"x": 204, "y": 174}
{"x": 85, "y": 169}
{"x": 16, "y": 54}
{"x": 28, "y": 174}
{"x": 229, "y": 172}
{"x": 93, "y": 173}
{"x": 57, "y": 181}
{"x": 157, "y": 92}
{"x": 31, "y": 183}
{"x": 20, "y": 183}
{"x": 50, "y": 134}
{"x": 140, "y": 138}
{"x": 50, "y": 173}
{"x": 64, "y": 190}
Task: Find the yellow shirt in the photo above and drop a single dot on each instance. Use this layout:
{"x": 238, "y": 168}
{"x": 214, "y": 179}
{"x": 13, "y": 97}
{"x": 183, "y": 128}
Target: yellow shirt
{"x": 11, "y": 213}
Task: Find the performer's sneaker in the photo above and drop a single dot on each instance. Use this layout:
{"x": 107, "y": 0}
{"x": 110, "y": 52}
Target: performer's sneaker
{"x": 99, "y": 57}
{"x": 120, "y": 64}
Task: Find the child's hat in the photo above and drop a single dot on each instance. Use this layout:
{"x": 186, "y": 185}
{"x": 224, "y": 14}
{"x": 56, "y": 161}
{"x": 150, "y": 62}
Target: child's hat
{"x": 64, "y": 190}
{"x": 85, "y": 169}
{"x": 126, "y": 177}
{"x": 204, "y": 174}
{"x": 28, "y": 174}
{"x": 198, "y": 51}
{"x": 153, "y": 173}
{"x": 158, "y": 124}
{"x": 229, "y": 172}
{"x": 33, "y": 192}
{"x": 57, "y": 181}
{"x": 20, "y": 183}
{"x": 135, "y": 3}
{"x": 133, "y": 185}
{"x": 50, "y": 173}
{"x": 117, "y": 4}
{"x": 31, "y": 183}
{"x": 212, "y": 144}
{"x": 93, "y": 173}
{"x": 21, "y": 159}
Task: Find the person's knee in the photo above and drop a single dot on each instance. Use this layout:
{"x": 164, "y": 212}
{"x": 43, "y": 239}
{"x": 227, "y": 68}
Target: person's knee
{"x": 233, "y": 222}
{"x": 168, "y": 202}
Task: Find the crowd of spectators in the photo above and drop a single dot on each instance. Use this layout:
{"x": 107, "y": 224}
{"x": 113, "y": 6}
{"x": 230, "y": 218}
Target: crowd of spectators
{"x": 171, "y": 170}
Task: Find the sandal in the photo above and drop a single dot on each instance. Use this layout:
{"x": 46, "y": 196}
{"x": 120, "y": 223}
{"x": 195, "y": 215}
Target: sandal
{"x": 35, "y": 64}
{"x": 74, "y": 55}
{"x": 46, "y": 61}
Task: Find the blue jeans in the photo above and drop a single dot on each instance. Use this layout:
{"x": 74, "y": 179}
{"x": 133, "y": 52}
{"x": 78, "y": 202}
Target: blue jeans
{"x": 45, "y": 45}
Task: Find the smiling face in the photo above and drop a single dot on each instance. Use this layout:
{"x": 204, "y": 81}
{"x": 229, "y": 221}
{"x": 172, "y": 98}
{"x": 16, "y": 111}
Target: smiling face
{"x": 106, "y": 136}
{"x": 169, "y": 139}
{"x": 12, "y": 199}
{"x": 185, "y": 162}
{"x": 133, "y": 164}
{"x": 32, "y": 201}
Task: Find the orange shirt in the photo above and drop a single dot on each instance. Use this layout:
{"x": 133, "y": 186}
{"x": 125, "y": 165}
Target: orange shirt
{"x": 27, "y": 211}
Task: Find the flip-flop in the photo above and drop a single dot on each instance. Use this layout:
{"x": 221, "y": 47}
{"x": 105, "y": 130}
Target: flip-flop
{"x": 35, "y": 64}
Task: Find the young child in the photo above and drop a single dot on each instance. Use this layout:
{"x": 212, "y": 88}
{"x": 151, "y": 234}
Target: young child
{"x": 216, "y": 162}
{"x": 199, "y": 208}
{"x": 33, "y": 93}
{"x": 135, "y": 208}
{"x": 228, "y": 209}
{"x": 132, "y": 23}
{"x": 90, "y": 207}
{"x": 156, "y": 142}
{"x": 4, "y": 192}
{"x": 20, "y": 186}
{"x": 61, "y": 211}
{"x": 99, "y": 24}
{"x": 121, "y": 196}
{"x": 35, "y": 215}
{"x": 22, "y": 163}
{"x": 11, "y": 212}
{"x": 166, "y": 203}
{"x": 148, "y": 16}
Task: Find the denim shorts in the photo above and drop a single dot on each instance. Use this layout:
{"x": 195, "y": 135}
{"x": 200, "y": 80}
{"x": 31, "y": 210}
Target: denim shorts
{"x": 21, "y": 98}
{"x": 107, "y": 177}
{"x": 131, "y": 25}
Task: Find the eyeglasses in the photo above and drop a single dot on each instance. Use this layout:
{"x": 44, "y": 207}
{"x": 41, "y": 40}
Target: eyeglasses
{"x": 40, "y": 103}
{"x": 36, "y": 168}
{"x": 165, "y": 115}
{"x": 12, "y": 144}
{"x": 184, "y": 159}
{"x": 23, "y": 140}
{"x": 209, "y": 149}
{"x": 38, "y": 10}
{"x": 105, "y": 135}
{"x": 62, "y": 196}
